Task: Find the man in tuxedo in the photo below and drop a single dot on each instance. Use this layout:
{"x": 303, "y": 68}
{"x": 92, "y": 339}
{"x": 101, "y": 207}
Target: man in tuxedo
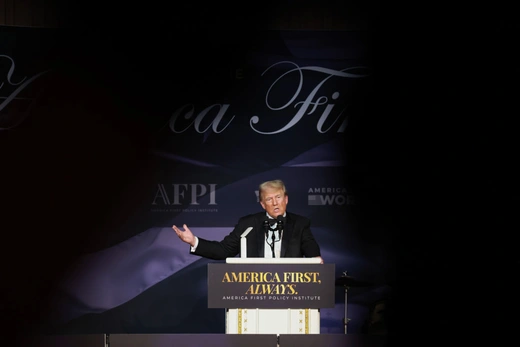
{"x": 275, "y": 233}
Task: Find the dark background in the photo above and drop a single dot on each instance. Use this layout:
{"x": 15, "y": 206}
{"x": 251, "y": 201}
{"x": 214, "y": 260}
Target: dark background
{"x": 448, "y": 72}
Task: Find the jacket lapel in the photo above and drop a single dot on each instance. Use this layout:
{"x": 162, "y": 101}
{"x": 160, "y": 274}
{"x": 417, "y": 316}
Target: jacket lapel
{"x": 260, "y": 236}
{"x": 286, "y": 236}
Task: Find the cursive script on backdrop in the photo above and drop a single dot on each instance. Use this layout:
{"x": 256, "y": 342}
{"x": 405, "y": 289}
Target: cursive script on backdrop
{"x": 9, "y": 121}
{"x": 305, "y": 104}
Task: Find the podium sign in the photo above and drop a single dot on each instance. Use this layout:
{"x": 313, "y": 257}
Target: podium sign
{"x": 271, "y": 285}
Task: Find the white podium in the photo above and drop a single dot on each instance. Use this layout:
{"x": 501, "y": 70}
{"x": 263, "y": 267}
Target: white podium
{"x": 272, "y": 320}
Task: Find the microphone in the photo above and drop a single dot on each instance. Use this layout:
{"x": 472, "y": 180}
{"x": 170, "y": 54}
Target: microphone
{"x": 266, "y": 227}
{"x": 279, "y": 225}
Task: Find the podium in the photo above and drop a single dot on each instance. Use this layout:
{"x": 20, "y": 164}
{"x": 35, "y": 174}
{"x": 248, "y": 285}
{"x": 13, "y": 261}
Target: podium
{"x": 271, "y": 295}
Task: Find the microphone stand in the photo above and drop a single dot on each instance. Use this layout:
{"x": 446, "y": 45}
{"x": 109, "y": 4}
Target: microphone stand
{"x": 266, "y": 227}
{"x": 279, "y": 227}
{"x": 273, "y": 239}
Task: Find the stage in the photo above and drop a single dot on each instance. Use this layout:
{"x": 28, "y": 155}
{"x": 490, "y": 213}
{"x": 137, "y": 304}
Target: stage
{"x": 217, "y": 340}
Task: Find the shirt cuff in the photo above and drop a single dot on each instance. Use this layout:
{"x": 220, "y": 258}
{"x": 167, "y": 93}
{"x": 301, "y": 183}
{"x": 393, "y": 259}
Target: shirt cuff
{"x": 193, "y": 248}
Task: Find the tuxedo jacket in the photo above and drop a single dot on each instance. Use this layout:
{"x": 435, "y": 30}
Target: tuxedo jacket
{"x": 297, "y": 239}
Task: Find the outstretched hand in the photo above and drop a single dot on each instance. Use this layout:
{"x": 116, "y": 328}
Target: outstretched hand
{"x": 186, "y": 235}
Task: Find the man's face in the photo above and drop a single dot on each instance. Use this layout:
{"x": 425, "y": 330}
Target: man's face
{"x": 274, "y": 201}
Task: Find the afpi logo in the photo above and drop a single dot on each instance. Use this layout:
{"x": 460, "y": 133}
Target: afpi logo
{"x": 329, "y": 196}
{"x": 184, "y": 194}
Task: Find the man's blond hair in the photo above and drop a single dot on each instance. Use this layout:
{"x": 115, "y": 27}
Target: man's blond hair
{"x": 273, "y": 184}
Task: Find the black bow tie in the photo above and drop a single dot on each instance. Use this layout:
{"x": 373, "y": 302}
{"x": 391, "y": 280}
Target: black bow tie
{"x": 273, "y": 221}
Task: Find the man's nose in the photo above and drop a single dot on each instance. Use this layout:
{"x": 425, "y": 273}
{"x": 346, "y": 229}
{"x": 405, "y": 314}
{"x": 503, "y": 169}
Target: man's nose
{"x": 275, "y": 202}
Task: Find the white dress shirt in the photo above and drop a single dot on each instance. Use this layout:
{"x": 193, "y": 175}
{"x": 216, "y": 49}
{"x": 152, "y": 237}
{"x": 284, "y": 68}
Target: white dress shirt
{"x": 268, "y": 253}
